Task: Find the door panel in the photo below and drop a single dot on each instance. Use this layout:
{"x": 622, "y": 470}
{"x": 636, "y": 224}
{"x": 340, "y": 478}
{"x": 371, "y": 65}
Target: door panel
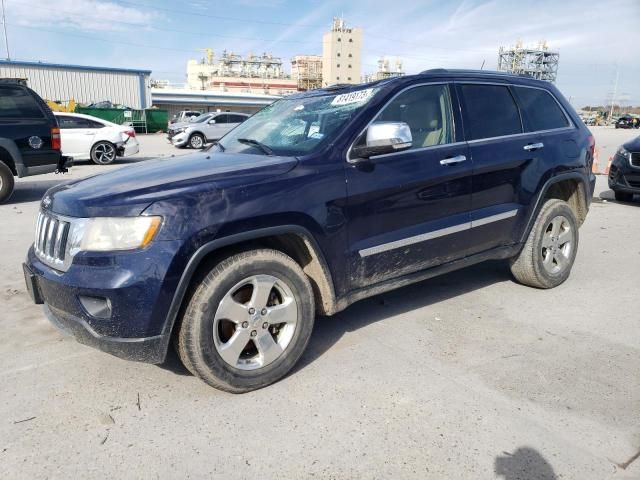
{"x": 406, "y": 210}
{"x": 493, "y": 127}
{"x": 76, "y": 136}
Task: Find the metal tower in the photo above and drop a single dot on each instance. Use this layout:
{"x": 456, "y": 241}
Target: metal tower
{"x": 537, "y": 62}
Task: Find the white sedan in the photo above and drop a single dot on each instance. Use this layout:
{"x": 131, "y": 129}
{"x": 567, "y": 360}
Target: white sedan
{"x": 85, "y": 137}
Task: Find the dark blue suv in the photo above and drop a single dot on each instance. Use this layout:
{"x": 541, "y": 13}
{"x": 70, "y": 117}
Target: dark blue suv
{"x": 317, "y": 201}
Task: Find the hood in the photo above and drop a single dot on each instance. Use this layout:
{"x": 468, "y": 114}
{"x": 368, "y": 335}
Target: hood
{"x": 633, "y": 145}
{"x": 178, "y": 125}
{"x": 129, "y": 190}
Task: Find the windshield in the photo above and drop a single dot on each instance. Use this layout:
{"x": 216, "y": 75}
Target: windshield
{"x": 200, "y": 118}
{"x": 297, "y": 126}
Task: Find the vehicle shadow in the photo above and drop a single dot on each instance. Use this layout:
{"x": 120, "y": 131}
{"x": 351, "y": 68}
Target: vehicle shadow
{"x": 32, "y": 190}
{"x": 329, "y": 330}
{"x": 609, "y": 196}
{"x": 523, "y": 464}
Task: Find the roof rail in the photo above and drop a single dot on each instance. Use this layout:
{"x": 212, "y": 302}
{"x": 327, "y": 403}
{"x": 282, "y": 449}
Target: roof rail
{"x": 472, "y": 71}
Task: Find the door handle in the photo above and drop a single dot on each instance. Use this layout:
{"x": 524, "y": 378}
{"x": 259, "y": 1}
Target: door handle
{"x": 533, "y": 146}
{"x": 453, "y": 160}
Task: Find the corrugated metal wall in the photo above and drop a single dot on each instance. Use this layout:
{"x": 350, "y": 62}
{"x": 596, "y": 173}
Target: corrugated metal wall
{"x": 84, "y": 86}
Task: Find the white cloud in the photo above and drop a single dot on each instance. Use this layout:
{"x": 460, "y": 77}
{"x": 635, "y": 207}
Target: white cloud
{"x": 82, "y": 15}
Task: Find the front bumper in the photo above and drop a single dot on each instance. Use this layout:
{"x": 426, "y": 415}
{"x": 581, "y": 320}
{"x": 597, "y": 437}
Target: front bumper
{"x": 623, "y": 177}
{"x": 179, "y": 139}
{"x": 138, "y": 288}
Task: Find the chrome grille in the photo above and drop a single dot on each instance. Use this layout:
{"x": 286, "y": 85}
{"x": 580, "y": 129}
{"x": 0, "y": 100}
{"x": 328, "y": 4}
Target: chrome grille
{"x": 635, "y": 159}
{"x": 51, "y": 239}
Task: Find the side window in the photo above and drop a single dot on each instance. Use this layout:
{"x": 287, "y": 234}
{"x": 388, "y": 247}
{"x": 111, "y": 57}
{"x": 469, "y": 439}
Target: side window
{"x": 72, "y": 122}
{"x": 17, "y": 103}
{"x": 94, "y": 124}
{"x": 221, "y": 119}
{"x": 236, "y": 118}
{"x": 540, "y": 111}
{"x": 490, "y": 111}
{"x": 427, "y": 111}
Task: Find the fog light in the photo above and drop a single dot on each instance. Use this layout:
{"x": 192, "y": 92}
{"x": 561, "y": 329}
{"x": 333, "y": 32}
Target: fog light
{"x": 98, "y": 307}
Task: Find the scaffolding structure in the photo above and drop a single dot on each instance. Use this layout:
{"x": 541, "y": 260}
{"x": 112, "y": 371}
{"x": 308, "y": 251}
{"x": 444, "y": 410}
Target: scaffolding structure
{"x": 538, "y": 62}
{"x": 306, "y": 70}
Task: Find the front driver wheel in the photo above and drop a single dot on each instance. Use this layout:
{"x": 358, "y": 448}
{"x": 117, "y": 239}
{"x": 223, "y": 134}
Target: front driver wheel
{"x": 546, "y": 259}
{"x": 196, "y": 141}
{"x": 247, "y": 322}
{"x": 103, "y": 153}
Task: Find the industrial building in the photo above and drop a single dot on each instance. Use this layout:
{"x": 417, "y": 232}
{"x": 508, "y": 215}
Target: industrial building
{"x": 385, "y": 70}
{"x": 341, "y": 54}
{"x": 236, "y": 73}
{"x": 306, "y": 71}
{"x": 61, "y": 82}
{"x": 538, "y": 62}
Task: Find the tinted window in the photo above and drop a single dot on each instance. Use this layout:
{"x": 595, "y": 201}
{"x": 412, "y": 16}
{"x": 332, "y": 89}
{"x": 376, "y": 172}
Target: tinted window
{"x": 236, "y": 118}
{"x": 489, "y": 111}
{"x": 17, "y": 103}
{"x": 72, "y": 122}
{"x": 427, "y": 111}
{"x": 95, "y": 124}
{"x": 540, "y": 110}
{"x": 221, "y": 119}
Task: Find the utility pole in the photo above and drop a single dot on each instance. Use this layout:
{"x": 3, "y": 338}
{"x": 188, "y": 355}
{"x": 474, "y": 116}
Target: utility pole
{"x": 6, "y": 39}
{"x": 615, "y": 92}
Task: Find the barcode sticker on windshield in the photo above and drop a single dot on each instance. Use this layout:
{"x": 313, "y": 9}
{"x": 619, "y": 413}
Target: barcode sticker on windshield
{"x": 353, "y": 97}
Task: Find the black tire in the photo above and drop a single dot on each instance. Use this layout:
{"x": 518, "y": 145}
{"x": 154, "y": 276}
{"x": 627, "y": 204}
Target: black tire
{"x": 197, "y": 141}
{"x": 6, "y": 182}
{"x": 623, "y": 196}
{"x": 103, "y": 153}
{"x": 529, "y": 266}
{"x": 195, "y": 339}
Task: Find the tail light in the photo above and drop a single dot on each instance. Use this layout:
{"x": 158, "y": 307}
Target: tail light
{"x": 130, "y": 133}
{"x": 592, "y": 145}
{"x": 55, "y": 139}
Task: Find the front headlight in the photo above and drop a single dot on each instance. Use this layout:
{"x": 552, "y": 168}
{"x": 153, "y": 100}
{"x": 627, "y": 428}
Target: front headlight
{"x": 623, "y": 152}
{"x": 103, "y": 234}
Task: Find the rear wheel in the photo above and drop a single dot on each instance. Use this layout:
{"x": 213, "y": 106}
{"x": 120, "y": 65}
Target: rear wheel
{"x": 196, "y": 141}
{"x": 103, "y": 153}
{"x": 550, "y": 250}
{"x": 6, "y": 182}
{"x": 248, "y": 321}
{"x": 623, "y": 196}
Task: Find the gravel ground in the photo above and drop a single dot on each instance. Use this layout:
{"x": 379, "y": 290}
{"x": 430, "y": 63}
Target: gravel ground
{"x": 468, "y": 375}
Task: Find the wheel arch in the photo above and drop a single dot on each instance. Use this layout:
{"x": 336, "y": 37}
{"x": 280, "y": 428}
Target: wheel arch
{"x": 572, "y": 187}
{"x": 293, "y": 240}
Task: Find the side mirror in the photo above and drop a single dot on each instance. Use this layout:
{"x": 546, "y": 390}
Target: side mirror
{"x": 212, "y": 121}
{"x": 384, "y": 137}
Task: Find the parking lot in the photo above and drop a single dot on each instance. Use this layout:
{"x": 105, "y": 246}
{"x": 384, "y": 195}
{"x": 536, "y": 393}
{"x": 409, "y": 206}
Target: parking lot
{"x": 468, "y": 375}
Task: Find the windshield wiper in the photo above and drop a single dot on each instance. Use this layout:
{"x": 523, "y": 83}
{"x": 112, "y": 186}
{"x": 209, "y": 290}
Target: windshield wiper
{"x": 257, "y": 144}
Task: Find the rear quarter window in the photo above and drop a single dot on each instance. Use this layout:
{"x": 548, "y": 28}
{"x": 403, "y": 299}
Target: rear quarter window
{"x": 18, "y": 103}
{"x": 540, "y": 110}
{"x": 490, "y": 111}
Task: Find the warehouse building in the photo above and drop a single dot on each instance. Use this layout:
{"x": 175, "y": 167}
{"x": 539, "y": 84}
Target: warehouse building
{"x": 175, "y": 100}
{"x": 61, "y": 82}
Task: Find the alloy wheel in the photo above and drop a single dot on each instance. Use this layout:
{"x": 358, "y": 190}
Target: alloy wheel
{"x": 255, "y": 322}
{"x": 557, "y": 245}
{"x": 105, "y": 153}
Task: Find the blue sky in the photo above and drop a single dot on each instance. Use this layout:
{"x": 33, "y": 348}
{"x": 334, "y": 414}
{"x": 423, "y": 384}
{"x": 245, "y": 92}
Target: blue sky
{"x": 594, "y": 38}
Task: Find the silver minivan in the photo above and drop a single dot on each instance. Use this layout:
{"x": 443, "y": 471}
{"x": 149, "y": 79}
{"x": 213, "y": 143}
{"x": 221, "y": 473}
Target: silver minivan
{"x": 209, "y": 127}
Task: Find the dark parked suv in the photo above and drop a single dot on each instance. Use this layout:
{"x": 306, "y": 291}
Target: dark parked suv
{"x": 319, "y": 200}
{"x": 624, "y": 174}
{"x": 29, "y": 136}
